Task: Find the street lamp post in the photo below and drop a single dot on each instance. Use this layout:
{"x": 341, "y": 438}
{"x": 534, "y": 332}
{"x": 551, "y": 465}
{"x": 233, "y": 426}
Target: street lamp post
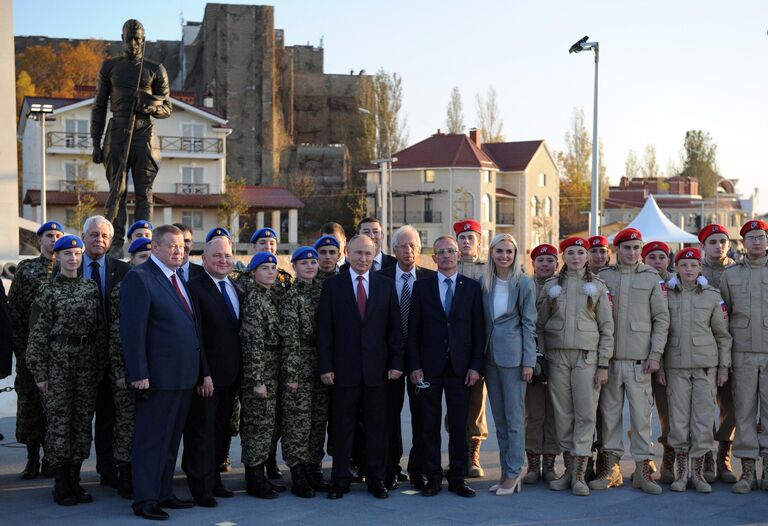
{"x": 385, "y": 167}
{"x": 40, "y": 111}
{"x": 594, "y": 219}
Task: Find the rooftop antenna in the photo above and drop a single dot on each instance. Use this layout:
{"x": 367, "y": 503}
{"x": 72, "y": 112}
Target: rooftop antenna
{"x": 322, "y": 39}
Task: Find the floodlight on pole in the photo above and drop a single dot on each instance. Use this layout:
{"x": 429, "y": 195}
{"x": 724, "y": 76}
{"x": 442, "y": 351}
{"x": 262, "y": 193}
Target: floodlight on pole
{"x": 40, "y": 111}
{"x": 594, "y": 218}
{"x": 385, "y": 166}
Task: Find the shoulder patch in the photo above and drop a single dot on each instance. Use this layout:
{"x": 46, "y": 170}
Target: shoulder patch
{"x": 724, "y": 308}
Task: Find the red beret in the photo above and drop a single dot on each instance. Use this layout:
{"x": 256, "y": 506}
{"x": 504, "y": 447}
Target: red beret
{"x": 653, "y": 246}
{"x": 573, "y": 241}
{"x": 688, "y": 253}
{"x": 628, "y": 234}
{"x": 708, "y": 230}
{"x": 754, "y": 224}
{"x": 468, "y": 224}
{"x": 597, "y": 241}
{"x": 543, "y": 250}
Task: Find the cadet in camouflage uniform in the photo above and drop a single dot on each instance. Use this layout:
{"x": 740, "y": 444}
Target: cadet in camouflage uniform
{"x": 328, "y": 251}
{"x": 304, "y": 397}
{"x": 30, "y": 274}
{"x": 468, "y": 235}
{"x": 715, "y": 243}
{"x": 66, "y": 332}
{"x": 262, "y": 350}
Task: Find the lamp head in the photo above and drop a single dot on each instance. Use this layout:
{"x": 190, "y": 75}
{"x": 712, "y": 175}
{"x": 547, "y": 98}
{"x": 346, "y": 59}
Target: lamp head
{"x": 579, "y": 46}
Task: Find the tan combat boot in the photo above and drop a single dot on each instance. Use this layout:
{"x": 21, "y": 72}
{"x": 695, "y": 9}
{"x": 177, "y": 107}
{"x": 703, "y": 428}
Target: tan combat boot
{"x": 475, "y": 470}
{"x": 564, "y": 482}
{"x": 668, "y": 466}
{"x": 747, "y": 481}
{"x": 534, "y": 468}
{"x": 548, "y": 467}
{"x": 697, "y": 477}
{"x": 681, "y": 472}
{"x": 724, "y": 469}
{"x": 609, "y": 475}
{"x": 764, "y": 481}
{"x": 578, "y": 483}
{"x": 710, "y": 475}
{"x": 643, "y": 478}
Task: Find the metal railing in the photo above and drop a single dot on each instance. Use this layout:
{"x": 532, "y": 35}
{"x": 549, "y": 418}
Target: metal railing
{"x": 191, "y": 144}
{"x": 505, "y": 218}
{"x": 193, "y": 188}
{"x": 78, "y": 141}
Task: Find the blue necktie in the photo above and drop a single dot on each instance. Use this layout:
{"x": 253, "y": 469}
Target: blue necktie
{"x": 180, "y": 273}
{"x": 96, "y": 276}
{"x": 223, "y": 287}
{"x": 448, "y": 295}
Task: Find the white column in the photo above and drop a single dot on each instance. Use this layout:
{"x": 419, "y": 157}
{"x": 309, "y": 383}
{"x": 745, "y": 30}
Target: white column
{"x": 275, "y": 223}
{"x": 9, "y": 188}
{"x": 293, "y": 224}
{"x": 259, "y": 220}
{"x": 167, "y": 215}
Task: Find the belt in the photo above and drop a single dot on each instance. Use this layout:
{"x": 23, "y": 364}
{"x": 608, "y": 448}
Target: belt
{"x": 71, "y": 339}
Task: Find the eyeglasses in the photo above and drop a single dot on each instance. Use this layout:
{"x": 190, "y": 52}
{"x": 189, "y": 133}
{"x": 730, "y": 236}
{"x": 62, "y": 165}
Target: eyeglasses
{"x": 756, "y": 238}
{"x": 446, "y": 251}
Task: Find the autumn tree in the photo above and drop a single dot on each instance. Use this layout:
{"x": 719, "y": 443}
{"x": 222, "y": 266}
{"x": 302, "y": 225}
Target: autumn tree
{"x": 232, "y": 205}
{"x": 488, "y": 116}
{"x": 649, "y": 167}
{"x": 575, "y": 176}
{"x": 631, "y": 165}
{"x": 24, "y": 87}
{"x": 700, "y": 161}
{"x": 384, "y": 125}
{"x": 84, "y": 189}
{"x": 454, "y": 118}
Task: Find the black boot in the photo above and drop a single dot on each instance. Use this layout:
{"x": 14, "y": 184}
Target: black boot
{"x": 300, "y": 485}
{"x": 108, "y": 472}
{"x": 256, "y": 484}
{"x": 32, "y": 469}
{"x": 45, "y": 466}
{"x": 124, "y": 480}
{"x": 273, "y": 471}
{"x": 314, "y": 474}
{"x": 62, "y": 490}
{"x": 82, "y": 496}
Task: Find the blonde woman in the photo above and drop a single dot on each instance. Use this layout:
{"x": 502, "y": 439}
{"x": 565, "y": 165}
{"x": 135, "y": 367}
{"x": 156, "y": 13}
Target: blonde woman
{"x": 509, "y": 305}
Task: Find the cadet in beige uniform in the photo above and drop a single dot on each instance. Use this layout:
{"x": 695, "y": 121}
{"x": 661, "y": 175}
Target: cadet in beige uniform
{"x": 468, "y": 233}
{"x": 696, "y": 360}
{"x": 744, "y": 288}
{"x": 541, "y": 446}
{"x": 715, "y": 243}
{"x": 575, "y": 328}
{"x": 656, "y": 255}
{"x": 641, "y": 322}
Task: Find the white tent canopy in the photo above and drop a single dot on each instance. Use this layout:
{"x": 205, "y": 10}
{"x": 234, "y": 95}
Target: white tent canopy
{"x": 655, "y": 226}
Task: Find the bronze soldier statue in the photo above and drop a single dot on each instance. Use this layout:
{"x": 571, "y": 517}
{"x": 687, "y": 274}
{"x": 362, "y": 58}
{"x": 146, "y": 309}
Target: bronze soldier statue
{"x": 137, "y": 90}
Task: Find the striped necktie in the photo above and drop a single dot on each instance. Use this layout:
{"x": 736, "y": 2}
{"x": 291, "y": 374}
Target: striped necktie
{"x": 405, "y": 302}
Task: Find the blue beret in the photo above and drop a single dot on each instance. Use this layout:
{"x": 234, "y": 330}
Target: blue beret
{"x": 219, "y": 231}
{"x": 304, "y": 253}
{"x": 65, "y": 242}
{"x": 260, "y": 259}
{"x": 139, "y": 224}
{"x": 140, "y": 245}
{"x": 264, "y": 232}
{"x": 50, "y": 225}
{"x": 327, "y": 241}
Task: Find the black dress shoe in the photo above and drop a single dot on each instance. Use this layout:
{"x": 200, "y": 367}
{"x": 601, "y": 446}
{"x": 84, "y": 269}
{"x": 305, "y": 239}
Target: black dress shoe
{"x": 402, "y": 477}
{"x": 418, "y": 481}
{"x": 461, "y": 489}
{"x": 151, "y": 512}
{"x": 390, "y": 483}
{"x": 222, "y": 492}
{"x": 109, "y": 478}
{"x": 337, "y": 491}
{"x": 431, "y": 488}
{"x": 175, "y": 503}
{"x": 206, "y": 501}
{"x": 378, "y": 489}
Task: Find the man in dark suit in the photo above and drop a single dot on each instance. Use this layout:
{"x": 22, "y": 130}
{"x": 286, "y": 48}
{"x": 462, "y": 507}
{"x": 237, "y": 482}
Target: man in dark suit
{"x": 445, "y": 351}
{"x": 371, "y": 227}
{"x": 188, "y": 270}
{"x": 162, "y": 352}
{"x": 107, "y": 272}
{"x": 359, "y": 348}
{"x": 206, "y": 435}
{"x": 406, "y": 245}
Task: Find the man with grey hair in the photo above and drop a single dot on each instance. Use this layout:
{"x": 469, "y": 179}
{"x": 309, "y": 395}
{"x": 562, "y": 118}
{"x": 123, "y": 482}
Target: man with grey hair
{"x": 406, "y": 245}
{"x": 107, "y": 272}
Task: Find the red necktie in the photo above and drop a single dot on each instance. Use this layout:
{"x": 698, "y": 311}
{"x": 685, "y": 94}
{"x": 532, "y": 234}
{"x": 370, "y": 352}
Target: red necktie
{"x": 181, "y": 296}
{"x": 361, "y": 299}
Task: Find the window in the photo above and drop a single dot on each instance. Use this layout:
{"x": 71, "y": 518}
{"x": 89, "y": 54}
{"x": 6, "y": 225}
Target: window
{"x": 192, "y": 174}
{"x": 534, "y": 206}
{"x": 192, "y": 219}
{"x": 485, "y": 208}
{"x": 192, "y": 134}
{"x": 75, "y": 171}
{"x": 542, "y": 179}
{"x": 429, "y": 176}
{"x": 487, "y": 176}
{"x": 76, "y": 133}
{"x": 548, "y": 206}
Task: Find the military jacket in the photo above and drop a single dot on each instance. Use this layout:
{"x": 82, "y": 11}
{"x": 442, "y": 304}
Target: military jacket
{"x": 471, "y": 267}
{"x": 698, "y": 329}
{"x": 260, "y": 335}
{"x": 30, "y": 274}
{"x": 299, "y": 325}
{"x": 714, "y": 271}
{"x": 640, "y": 311}
{"x": 116, "y": 360}
{"x": 572, "y": 324}
{"x": 744, "y": 288}
{"x": 283, "y": 282}
{"x": 65, "y": 307}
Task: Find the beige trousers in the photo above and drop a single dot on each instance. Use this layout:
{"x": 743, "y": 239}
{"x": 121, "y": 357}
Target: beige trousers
{"x": 477, "y": 427}
{"x": 540, "y": 435}
{"x": 691, "y": 394}
{"x": 750, "y": 385}
{"x": 662, "y": 409}
{"x": 574, "y": 399}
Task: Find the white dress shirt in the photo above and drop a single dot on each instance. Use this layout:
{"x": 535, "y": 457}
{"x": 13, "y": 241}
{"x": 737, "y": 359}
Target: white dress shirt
{"x": 230, "y": 288}
{"x": 443, "y": 288}
{"x": 354, "y": 276}
{"x": 399, "y": 279}
{"x": 170, "y": 272}
{"x": 500, "y": 296}
{"x": 376, "y": 266}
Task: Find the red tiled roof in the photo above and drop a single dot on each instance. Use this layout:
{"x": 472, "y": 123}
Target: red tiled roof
{"x": 443, "y": 151}
{"x": 505, "y": 193}
{"x": 512, "y": 156}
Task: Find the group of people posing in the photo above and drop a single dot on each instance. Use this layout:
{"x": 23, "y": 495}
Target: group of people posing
{"x": 163, "y": 349}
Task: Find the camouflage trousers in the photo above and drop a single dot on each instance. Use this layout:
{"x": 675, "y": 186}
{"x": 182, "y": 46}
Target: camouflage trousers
{"x": 30, "y": 417}
{"x": 122, "y": 432}
{"x": 69, "y": 405}
{"x": 258, "y": 419}
{"x": 304, "y": 416}
{"x": 234, "y": 421}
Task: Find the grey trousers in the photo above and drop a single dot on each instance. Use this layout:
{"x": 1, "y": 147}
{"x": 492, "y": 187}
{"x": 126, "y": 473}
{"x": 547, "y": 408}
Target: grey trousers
{"x": 506, "y": 390}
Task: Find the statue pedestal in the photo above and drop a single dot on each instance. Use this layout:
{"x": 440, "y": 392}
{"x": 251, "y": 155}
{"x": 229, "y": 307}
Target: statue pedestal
{"x": 9, "y": 183}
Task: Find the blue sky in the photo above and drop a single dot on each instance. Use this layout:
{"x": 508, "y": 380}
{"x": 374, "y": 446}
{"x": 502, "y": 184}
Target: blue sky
{"x": 666, "y": 66}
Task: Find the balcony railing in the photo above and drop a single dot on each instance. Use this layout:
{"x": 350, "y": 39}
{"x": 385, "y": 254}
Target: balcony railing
{"x": 191, "y": 144}
{"x": 193, "y": 188}
{"x": 417, "y": 216}
{"x": 505, "y": 218}
{"x": 78, "y": 141}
